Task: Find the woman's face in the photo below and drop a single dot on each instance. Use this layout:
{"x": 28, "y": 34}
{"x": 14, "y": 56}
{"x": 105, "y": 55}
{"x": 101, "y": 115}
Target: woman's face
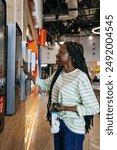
{"x": 63, "y": 56}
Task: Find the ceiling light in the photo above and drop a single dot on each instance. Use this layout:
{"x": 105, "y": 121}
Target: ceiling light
{"x": 90, "y": 37}
{"x": 43, "y": 65}
{"x": 62, "y": 42}
{"x": 96, "y": 30}
{"x": 27, "y": 32}
{"x": 79, "y": 29}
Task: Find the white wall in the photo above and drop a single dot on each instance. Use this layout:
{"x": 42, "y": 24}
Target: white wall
{"x": 89, "y": 45}
{"x": 48, "y": 56}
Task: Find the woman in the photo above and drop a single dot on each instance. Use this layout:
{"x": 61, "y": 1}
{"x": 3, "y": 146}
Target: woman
{"x": 72, "y": 88}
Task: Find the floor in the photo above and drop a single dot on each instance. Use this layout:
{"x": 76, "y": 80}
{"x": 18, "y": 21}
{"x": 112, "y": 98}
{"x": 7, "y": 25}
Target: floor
{"x": 42, "y": 139}
{"x": 29, "y": 130}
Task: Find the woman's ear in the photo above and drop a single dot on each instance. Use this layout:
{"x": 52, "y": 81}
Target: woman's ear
{"x": 69, "y": 57}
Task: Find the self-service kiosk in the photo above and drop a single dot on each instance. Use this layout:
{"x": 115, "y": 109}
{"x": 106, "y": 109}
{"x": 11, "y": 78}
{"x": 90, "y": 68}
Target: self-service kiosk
{"x": 2, "y": 62}
{"x": 14, "y": 58}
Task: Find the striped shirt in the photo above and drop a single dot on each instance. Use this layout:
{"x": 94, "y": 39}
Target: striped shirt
{"x": 72, "y": 89}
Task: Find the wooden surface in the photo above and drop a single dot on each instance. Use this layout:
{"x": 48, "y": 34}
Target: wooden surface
{"x": 42, "y": 139}
{"x": 29, "y": 130}
{"x": 12, "y": 136}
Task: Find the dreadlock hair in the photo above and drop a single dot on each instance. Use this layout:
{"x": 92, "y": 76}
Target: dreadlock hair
{"x": 76, "y": 52}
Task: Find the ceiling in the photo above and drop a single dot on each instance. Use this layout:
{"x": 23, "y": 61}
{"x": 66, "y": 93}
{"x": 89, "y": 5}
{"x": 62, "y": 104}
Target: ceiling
{"x": 72, "y": 18}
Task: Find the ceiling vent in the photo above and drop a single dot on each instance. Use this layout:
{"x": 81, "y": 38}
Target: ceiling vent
{"x": 72, "y": 4}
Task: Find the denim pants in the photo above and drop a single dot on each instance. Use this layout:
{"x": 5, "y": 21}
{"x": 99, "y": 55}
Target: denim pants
{"x": 67, "y": 140}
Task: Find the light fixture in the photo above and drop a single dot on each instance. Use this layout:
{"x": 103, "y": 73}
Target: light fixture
{"x": 61, "y": 42}
{"x": 90, "y": 37}
{"x": 43, "y": 65}
{"x": 96, "y": 30}
{"x": 79, "y": 29}
{"x": 27, "y": 31}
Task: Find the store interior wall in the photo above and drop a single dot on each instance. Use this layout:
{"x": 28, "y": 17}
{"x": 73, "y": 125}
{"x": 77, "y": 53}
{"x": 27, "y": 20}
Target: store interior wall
{"x": 91, "y": 48}
{"x": 17, "y": 11}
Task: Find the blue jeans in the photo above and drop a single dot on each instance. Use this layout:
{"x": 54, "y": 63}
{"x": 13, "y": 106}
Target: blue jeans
{"x": 67, "y": 140}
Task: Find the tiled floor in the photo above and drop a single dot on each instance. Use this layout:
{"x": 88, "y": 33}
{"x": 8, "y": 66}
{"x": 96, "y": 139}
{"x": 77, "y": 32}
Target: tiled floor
{"x": 42, "y": 139}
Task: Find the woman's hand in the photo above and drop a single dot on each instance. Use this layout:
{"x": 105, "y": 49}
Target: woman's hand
{"x": 25, "y": 67}
{"x": 57, "y": 107}
{"x": 60, "y": 108}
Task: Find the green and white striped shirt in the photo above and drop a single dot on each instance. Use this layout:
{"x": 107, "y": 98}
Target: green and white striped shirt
{"x": 72, "y": 89}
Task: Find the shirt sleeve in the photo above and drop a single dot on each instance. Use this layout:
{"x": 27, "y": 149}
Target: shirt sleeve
{"x": 89, "y": 104}
{"x": 44, "y": 83}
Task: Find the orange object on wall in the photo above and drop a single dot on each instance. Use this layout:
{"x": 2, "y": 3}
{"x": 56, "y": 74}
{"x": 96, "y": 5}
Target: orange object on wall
{"x": 42, "y": 37}
{"x": 33, "y": 47}
{"x": 35, "y": 91}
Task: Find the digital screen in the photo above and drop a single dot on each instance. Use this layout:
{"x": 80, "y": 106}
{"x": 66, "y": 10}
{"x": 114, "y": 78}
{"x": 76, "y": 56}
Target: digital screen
{"x": 2, "y": 43}
{"x": 18, "y": 54}
{"x": 2, "y": 14}
{"x": 2, "y": 53}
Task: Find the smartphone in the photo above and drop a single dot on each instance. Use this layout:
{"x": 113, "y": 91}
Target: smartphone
{"x": 54, "y": 105}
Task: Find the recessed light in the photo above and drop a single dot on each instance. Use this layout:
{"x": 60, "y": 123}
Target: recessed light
{"x": 90, "y": 37}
